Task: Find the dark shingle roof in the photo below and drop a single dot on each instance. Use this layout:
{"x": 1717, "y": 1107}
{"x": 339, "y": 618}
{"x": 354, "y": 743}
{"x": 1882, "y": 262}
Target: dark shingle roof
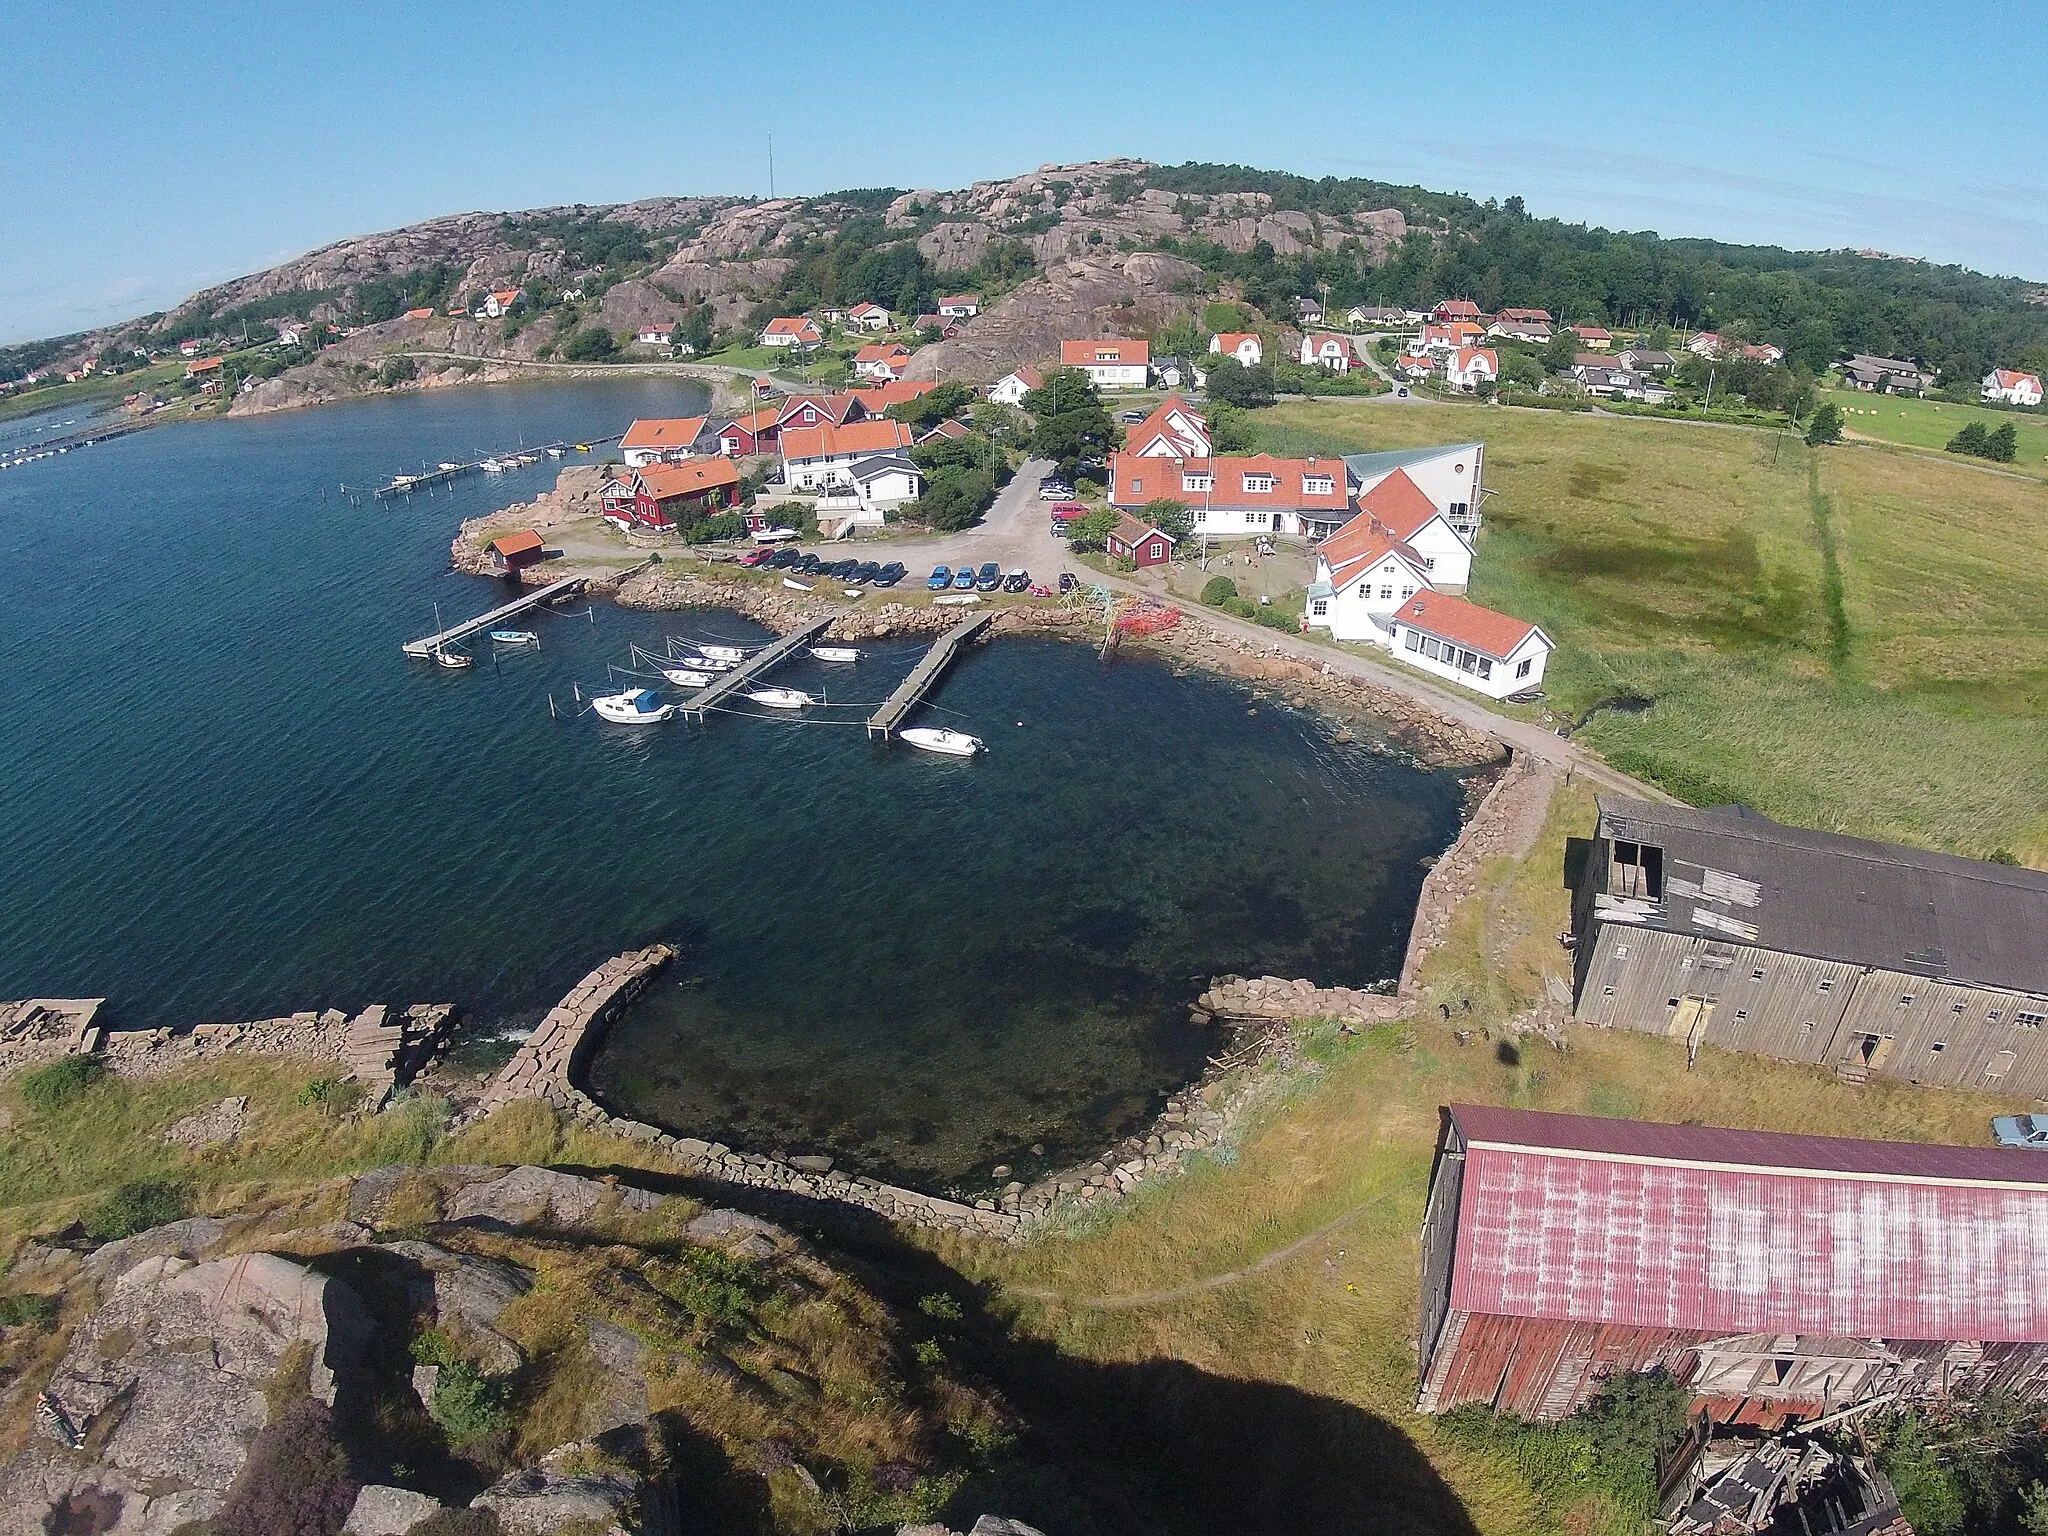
{"x": 1842, "y": 898}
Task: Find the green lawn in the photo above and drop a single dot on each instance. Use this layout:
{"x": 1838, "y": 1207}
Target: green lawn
{"x": 1842, "y": 638}
{"x": 1931, "y": 423}
{"x": 747, "y": 357}
{"x": 99, "y": 387}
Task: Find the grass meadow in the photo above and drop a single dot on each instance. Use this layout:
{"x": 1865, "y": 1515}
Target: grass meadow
{"x": 1931, "y": 423}
{"x": 1849, "y": 638}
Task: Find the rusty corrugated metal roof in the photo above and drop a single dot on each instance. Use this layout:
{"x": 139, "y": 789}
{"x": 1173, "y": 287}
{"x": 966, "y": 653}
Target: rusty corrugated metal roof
{"x": 1663, "y": 1226}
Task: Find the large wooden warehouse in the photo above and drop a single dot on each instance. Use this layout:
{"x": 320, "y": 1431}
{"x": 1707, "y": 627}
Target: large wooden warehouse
{"x": 1724, "y": 928}
{"x": 1774, "y": 1275}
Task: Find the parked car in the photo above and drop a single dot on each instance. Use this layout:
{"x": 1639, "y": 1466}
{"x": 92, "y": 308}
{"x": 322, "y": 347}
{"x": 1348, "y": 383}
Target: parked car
{"x": 865, "y": 571}
{"x": 1067, "y": 582}
{"x": 1130, "y": 418}
{"x": 963, "y": 579}
{"x": 784, "y": 558}
{"x": 1401, "y": 392}
{"x": 2030, "y": 1131}
{"x": 1054, "y": 490}
{"x": 1017, "y": 580}
{"x": 808, "y": 566}
{"x": 890, "y": 574}
{"x": 759, "y": 556}
{"x": 940, "y": 578}
{"x": 990, "y": 578}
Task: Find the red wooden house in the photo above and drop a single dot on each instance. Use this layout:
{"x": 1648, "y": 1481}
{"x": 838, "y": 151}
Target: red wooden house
{"x": 512, "y": 553}
{"x": 665, "y": 494}
{"x": 1139, "y": 543}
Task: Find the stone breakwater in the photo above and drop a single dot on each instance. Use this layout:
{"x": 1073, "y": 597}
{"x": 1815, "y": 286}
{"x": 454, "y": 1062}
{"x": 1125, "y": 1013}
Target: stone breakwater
{"x": 548, "y": 1064}
{"x": 1274, "y": 997}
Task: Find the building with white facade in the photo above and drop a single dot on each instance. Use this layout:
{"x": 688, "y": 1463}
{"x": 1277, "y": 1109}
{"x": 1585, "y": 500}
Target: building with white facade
{"x": 1110, "y": 364}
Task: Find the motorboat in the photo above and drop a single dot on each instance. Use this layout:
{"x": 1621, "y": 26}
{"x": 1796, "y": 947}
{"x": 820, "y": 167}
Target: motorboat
{"x": 492, "y": 467}
{"x": 683, "y": 677}
{"x": 706, "y": 664}
{"x": 515, "y": 637}
{"x": 454, "y": 661}
{"x": 834, "y": 653}
{"x": 781, "y": 698}
{"x": 723, "y": 652}
{"x": 795, "y": 585}
{"x": 773, "y": 535}
{"x": 636, "y": 706}
{"x": 939, "y": 739}
{"x": 956, "y": 600}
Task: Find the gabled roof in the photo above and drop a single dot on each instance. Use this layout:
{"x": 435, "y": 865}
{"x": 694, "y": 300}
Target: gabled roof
{"x": 755, "y": 422}
{"x": 1465, "y": 357}
{"x": 662, "y": 481}
{"x": 1843, "y": 898}
{"x": 1230, "y": 341}
{"x": 879, "y": 397}
{"x": 663, "y": 432}
{"x": 1079, "y": 354}
{"x": 1131, "y": 531}
{"x": 505, "y": 295}
{"x": 881, "y": 351}
{"x": 1732, "y": 1232}
{"x": 1589, "y": 332}
{"x": 516, "y": 543}
{"x": 1322, "y": 342}
{"x": 1525, "y": 316}
{"x": 876, "y": 465}
{"x": 1458, "y": 309}
{"x": 843, "y": 406}
{"x": 1467, "y": 624}
{"x": 878, "y": 435}
{"x": 958, "y": 298}
{"x": 1136, "y": 481}
{"x": 953, "y": 430}
{"x": 1398, "y": 504}
{"x": 1028, "y": 376}
{"x": 792, "y": 325}
{"x": 1161, "y": 424}
{"x": 2009, "y": 378}
{"x": 1367, "y": 547}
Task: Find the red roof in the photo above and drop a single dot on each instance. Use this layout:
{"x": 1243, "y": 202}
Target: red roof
{"x": 1525, "y": 316}
{"x": 1028, "y": 376}
{"x": 662, "y": 481}
{"x": 876, "y": 436}
{"x": 1131, "y": 533}
{"x": 1135, "y": 481}
{"x": 840, "y": 407}
{"x": 663, "y": 432}
{"x": 1467, "y": 624}
{"x": 516, "y": 543}
{"x": 1727, "y": 1232}
{"x": 796, "y": 326}
{"x": 1591, "y": 333}
{"x": 877, "y": 351}
{"x": 1397, "y": 503}
{"x": 878, "y": 398}
{"x": 1465, "y": 357}
{"x": 1367, "y": 544}
{"x": 1458, "y": 309}
{"x": 1230, "y": 341}
{"x": 1078, "y": 354}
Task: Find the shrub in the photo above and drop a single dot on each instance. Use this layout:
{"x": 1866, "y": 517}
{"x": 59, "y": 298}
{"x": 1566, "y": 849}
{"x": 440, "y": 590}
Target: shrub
{"x": 592, "y": 344}
{"x": 296, "y": 1481}
{"x": 52, "y": 1087}
{"x": 716, "y": 1288}
{"x": 468, "y": 1404}
{"x": 727, "y": 525}
{"x": 1217, "y": 589}
{"x": 136, "y": 1208}
{"x": 28, "y": 1311}
{"x": 1275, "y": 618}
{"x": 940, "y": 1306}
{"x": 339, "y": 1096}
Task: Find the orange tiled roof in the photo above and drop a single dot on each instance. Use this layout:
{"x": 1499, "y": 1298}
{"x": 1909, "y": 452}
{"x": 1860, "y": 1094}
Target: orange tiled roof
{"x": 663, "y": 432}
{"x": 661, "y": 481}
{"x": 1078, "y": 354}
{"x": 1467, "y": 624}
{"x": 875, "y": 436}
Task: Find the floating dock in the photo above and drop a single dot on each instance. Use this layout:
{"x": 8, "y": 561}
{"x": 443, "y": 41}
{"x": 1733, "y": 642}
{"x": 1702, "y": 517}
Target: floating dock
{"x": 518, "y": 605}
{"x": 402, "y": 484}
{"x": 724, "y": 684}
{"x": 884, "y": 721}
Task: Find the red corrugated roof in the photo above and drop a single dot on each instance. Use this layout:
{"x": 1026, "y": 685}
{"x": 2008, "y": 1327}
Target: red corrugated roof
{"x": 1722, "y": 1231}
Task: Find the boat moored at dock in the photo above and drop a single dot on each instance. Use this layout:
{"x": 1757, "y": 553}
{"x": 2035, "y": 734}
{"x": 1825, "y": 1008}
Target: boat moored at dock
{"x": 635, "y": 706}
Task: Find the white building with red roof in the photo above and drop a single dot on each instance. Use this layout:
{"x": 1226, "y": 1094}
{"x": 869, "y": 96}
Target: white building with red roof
{"x": 868, "y": 317}
{"x": 1593, "y": 338}
{"x": 814, "y": 456}
{"x": 880, "y": 360}
{"x": 959, "y": 306}
{"x": 1449, "y": 477}
{"x": 1238, "y": 497}
{"x": 1174, "y": 430}
{"x": 1469, "y": 367}
{"x": 791, "y": 331}
{"x": 1323, "y": 351}
{"x": 1245, "y": 346}
{"x": 1112, "y": 363}
{"x": 1774, "y": 1276}
{"x": 1012, "y": 387}
{"x": 1463, "y": 643}
{"x": 1363, "y": 573}
{"x": 666, "y": 438}
{"x": 2011, "y": 387}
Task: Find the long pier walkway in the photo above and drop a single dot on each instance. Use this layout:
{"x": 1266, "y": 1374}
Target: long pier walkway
{"x": 884, "y": 721}
{"x": 726, "y": 683}
{"x": 496, "y": 616}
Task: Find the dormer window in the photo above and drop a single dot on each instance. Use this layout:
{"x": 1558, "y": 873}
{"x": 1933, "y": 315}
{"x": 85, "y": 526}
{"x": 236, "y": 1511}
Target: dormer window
{"x": 1258, "y": 484}
{"x": 1197, "y": 482}
{"x": 1317, "y": 485}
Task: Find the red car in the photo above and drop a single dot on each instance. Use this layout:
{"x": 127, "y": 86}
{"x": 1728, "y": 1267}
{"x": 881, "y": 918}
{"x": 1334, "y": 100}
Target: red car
{"x": 755, "y": 557}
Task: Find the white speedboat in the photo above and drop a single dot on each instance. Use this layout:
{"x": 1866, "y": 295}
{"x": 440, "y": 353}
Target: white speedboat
{"x": 723, "y": 652}
{"x": 706, "y": 664}
{"x": 683, "y": 677}
{"x": 454, "y": 661}
{"x": 794, "y": 585}
{"x": 491, "y": 467}
{"x": 781, "y": 698}
{"x": 939, "y": 739}
{"x": 636, "y": 706}
{"x": 515, "y": 637}
{"x": 774, "y": 535}
{"x": 834, "y": 653}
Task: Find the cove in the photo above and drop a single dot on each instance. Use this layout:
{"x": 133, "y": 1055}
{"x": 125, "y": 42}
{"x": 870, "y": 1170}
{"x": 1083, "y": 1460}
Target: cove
{"x": 228, "y": 796}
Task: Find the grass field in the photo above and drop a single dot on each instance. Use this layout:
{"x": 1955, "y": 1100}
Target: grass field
{"x": 1847, "y": 638}
{"x": 98, "y": 387}
{"x": 1931, "y": 423}
{"x": 1327, "y": 1191}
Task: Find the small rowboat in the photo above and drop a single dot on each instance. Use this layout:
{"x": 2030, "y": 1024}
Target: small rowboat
{"x": 834, "y": 653}
{"x": 683, "y": 677}
{"x": 723, "y": 652}
{"x": 938, "y": 739}
{"x": 795, "y": 585}
{"x": 515, "y": 637}
{"x": 636, "y": 706}
{"x": 957, "y": 600}
{"x": 781, "y": 698}
{"x": 454, "y": 661}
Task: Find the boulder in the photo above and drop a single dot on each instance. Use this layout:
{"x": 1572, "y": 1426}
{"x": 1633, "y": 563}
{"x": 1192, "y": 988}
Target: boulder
{"x": 467, "y": 1293}
{"x": 538, "y": 1501}
{"x": 534, "y": 1196}
{"x": 187, "y": 1239}
{"x": 381, "y": 1510}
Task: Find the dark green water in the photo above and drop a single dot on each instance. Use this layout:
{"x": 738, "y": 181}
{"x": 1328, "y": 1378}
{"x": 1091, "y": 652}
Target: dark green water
{"x": 225, "y": 795}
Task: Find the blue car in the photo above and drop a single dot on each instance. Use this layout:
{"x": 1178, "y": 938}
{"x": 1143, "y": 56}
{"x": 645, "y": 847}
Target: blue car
{"x": 940, "y": 578}
{"x": 990, "y": 578}
{"x": 963, "y": 579}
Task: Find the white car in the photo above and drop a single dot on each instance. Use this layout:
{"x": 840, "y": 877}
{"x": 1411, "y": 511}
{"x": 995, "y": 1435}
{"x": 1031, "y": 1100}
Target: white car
{"x": 1054, "y": 490}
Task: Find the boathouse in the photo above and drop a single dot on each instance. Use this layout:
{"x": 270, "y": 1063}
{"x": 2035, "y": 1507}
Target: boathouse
{"x": 1774, "y": 1276}
{"x": 1137, "y": 542}
{"x": 512, "y": 553}
{"x": 1724, "y": 928}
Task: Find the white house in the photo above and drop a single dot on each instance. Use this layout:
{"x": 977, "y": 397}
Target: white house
{"x": 866, "y": 490}
{"x": 813, "y": 457}
{"x": 666, "y": 440}
{"x": 1440, "y": 341}
{"x": 868, "y": 317}
{"x": 1619, "y": 383}
{"x": 1405, "y": 487}
{"x": 651, "y": 336}
{"x": 1011, "y": 388}
{"x": 1110, "y": 364}
{"x": 1468, "y": 367}
{"x": 498, "y": 304}
{"x": 1239, "y": 497}
{"x": 2011, "y": 387}
{"x": 1380, "y": 317}
{"x": 959, "y": 306}
{"x": 880, "y": 361}
{"x": 1706, "y": 344}
{"x": 1331, "y": 352}
{"x": 1474, "y": 647}
{"x": 1245, "y": 346}
{"x": 288, "y": 335}
{"x": 1174, "y": 430}
{"x": 1363, "y": 573}
{"x": 791, "y": 331}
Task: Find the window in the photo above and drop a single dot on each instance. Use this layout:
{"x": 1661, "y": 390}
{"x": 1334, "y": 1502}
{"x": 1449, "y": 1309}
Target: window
{"x": 1317, "y": 485}
{"x": 1408, "y": 592}
{"x": 1320, "y": 607}
{"x": 1386, "y": 593}
{"x": 1365, "y": 590}
{"x": 1485, "y": 668}
{"x": 1806, "y": 1028}
{"x": 1621, "y": 951}
{"x": 2026, "y": 1019}
{"x": 1670, "y": 1002}
{"x": 1429, "y": 562}
{"x": 1201, "y": 516}
{"x": 1258, "y": 484}
{"x": 1607, "y": 991}
{"x": 1414, "y": 641}
{"x": 1460, "y": 508}
{"x": 1826, "y": 985}
{"x": 1906, "y": 1001}
{"x": 1957, "y": 1007}
{"x": 1137, "y": 486}
{"x": 1523, "y": 669}
{"x": 1938, "y": 1047}
{"x": 1197, "y": 482}
{"x": 1741, "y": 1014}
{"x": 1991, "y": 1017}
{"x": 1757, "y": 973}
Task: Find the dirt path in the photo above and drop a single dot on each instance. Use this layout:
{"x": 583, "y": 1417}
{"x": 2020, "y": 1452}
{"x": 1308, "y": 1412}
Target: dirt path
{"x": 1208, "y": 1283}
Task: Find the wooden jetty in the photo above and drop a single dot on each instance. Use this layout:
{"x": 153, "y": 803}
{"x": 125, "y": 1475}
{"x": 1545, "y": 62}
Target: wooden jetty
{"x": 884, "y": 721}
{"x": 497, "y": 616}
{"x": 724, "y": 684}
{"x": 403, "y": 484}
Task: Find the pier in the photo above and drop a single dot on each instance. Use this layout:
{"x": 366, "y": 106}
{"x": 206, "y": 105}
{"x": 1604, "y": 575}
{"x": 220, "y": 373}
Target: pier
{"x": 498, "y": 615}
{"x": 755, "y": 666}
{"x": 429, "y": 477}
{"x": 884, "y": 721}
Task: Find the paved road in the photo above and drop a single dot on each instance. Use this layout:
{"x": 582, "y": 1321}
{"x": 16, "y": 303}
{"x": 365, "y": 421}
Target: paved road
{"x": 1016, "y": 531}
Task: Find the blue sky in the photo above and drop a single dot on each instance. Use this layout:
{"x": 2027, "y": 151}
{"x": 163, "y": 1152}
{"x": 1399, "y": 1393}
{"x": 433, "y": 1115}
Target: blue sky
{"x": 154, "y": 148}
